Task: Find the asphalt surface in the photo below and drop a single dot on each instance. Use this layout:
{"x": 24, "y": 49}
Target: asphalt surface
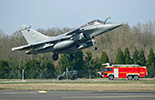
{"x": 65, "y": 80}
{"x": 55, "y": 80}
{"x": 75, "y": 95}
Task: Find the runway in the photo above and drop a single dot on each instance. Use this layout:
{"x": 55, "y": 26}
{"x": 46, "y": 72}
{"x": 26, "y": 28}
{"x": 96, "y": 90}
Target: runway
{"x": 55, "y": 80}
{"x": 75, "y": 95}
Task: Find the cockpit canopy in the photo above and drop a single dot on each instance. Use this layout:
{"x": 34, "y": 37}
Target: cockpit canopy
{"x": 94, "y": 22}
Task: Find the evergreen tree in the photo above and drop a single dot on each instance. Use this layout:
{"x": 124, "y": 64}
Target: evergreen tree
{"x": 3, "y": 69}
{"x": 32, "y": 65}
{"x": 151, "y": 64}
{"x": 88, "y": 61}
{"x": 119, "y": 57}
{"x": 63, "y": 63}
{"x": 76, "y": 64}
{"x": 90, "y": 65}
{"x": 98, "y": 65}
{"x": 47, "y": 68}
{"x": 142, "y": 60}
{"x": 78, "y": 61}
{"x": 151, "y": 58}
{"x": 32, "y": 69}
{"x": 127, "y": 56}
{"x": 15, "y": 67}
{"x": 104, "y": 57}
{"x": 135, "y": 57}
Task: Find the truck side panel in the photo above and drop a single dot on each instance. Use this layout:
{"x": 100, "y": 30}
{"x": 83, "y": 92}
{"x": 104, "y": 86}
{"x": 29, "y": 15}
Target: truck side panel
{"x": 124, "y": 71}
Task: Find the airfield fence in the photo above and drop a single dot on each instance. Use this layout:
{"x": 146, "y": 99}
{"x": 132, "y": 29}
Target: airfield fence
{"x": 43, "y": 74}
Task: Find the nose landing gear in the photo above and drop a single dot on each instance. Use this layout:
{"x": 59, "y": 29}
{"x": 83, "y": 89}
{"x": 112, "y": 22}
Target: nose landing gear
{"x": 93, "y": 41}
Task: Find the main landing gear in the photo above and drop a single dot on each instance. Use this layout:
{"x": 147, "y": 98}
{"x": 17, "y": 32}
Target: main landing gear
{"x": 69, "y": 57}
{"x": 55, "y": 56}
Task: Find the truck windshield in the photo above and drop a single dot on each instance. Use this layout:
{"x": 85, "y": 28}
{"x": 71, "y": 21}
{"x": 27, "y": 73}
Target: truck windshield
{"x": 107, "y": 69}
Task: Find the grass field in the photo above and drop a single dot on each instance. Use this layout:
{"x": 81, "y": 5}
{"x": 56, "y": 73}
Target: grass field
{"x": 80, "y": 85}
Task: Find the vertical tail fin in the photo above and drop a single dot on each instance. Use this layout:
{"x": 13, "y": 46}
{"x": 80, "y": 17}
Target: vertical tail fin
{"x": 31, "y": 35}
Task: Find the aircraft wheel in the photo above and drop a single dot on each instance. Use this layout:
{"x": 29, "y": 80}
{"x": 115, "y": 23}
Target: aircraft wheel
{"x": 55, "y": 57}
{"x": 70, "y": 57}
{"x": 95, "y": 48}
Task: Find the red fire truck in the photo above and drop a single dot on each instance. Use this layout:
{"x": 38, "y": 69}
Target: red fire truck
{"x": 130, "y": 71}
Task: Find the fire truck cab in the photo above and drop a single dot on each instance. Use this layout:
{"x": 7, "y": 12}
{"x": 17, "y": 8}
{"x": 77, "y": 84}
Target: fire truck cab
{"x": 130, "y": 71}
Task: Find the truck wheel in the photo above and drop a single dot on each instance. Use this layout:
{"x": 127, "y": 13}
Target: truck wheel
{"x": 60, "y": 78}
{"x": 136, "y": 77}
{"x": 72, "y": 78}
{"x": 111, "y": 77}
{"x": 129, "y": 77}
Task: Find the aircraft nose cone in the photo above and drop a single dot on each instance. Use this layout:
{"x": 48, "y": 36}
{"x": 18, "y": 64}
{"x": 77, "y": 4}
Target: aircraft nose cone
{"x": 113, "y": 26}
{"x": 117, "y": 25}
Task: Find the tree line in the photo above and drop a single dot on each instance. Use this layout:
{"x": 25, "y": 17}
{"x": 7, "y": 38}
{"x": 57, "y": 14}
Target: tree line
{"x": 138, "y": 43}
{"x": 84, "y": 64}
{"x": 12, "y": 68}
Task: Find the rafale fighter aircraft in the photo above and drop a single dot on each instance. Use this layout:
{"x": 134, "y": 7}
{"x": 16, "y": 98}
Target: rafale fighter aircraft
{"x": 80, "y": 38}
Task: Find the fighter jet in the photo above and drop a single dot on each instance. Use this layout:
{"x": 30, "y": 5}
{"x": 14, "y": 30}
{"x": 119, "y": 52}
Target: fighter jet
{"x": 80, "y": 38}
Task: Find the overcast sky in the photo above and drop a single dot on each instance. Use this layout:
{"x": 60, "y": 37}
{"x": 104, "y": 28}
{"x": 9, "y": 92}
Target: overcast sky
{"x": 71, "y": 13}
